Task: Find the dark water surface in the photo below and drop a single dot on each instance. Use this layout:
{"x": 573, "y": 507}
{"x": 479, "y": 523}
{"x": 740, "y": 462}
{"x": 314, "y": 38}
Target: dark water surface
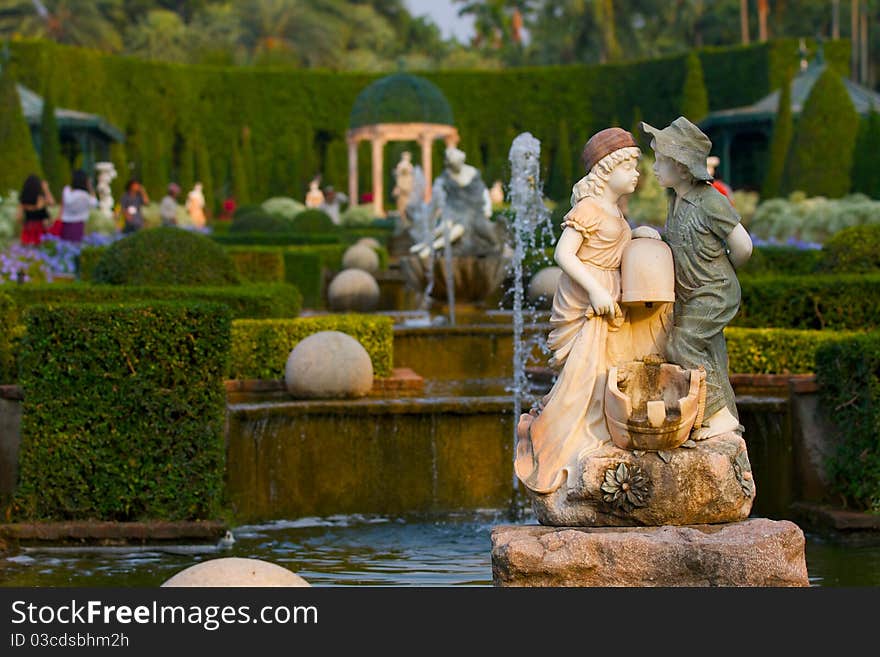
{"x": 358, "y": 550}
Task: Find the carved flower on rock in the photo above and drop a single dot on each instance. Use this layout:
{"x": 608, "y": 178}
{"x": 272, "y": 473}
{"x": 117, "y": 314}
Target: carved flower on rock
{"x": 626, "y": 487}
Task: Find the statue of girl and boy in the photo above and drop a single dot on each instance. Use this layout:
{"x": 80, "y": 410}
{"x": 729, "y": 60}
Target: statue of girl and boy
{"x": 592, "y": 332}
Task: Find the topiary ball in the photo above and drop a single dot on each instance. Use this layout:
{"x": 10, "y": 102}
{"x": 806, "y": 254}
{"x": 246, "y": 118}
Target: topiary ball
{"x": 313, "y": 221}
{"x": 166, "y": 256}
{"x": 259, "y": 221}
{"x": 853, "y": 250}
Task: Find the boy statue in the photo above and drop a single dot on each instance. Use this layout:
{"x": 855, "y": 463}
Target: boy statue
{"x": 708, "y": 242}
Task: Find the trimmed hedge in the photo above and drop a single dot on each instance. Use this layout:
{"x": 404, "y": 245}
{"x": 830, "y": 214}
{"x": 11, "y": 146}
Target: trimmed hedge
{"x": 257, "y": 220}
{"x": 123, "y": 412}
{"x": 244, "y": 301}
{"x": 198, "y": 112}
{"x": 839, "y": 302}
{"x": 258, "y": 264}
{"x": 87, "y": 260}
{"x": 165, "y": 256}
{"x": 853, "y": 250}
{"x": 11, "y": 331}
{"x": 775, "y": 351}
{"x": 848, "y": 372}
{"x": 276, "y": 239}
{"x": 313, "y": 221}
{"x": 260, "y": 347}
{"x": 782, "y": 260}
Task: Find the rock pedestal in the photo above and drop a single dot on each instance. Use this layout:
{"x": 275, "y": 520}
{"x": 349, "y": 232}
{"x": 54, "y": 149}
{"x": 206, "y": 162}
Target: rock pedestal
{"x": 756, "y": 552}
{"x": 707, "y": 482}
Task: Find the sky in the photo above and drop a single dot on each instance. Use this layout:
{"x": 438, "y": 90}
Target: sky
{"x": 445, "y": 14}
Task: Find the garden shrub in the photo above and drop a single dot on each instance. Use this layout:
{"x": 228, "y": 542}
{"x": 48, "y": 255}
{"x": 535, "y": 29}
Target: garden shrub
{"x": 853, "y": 250}
{"x": 839, "y": 302}
{"x": 259, "y": 221}
{"x": 166, "y": 256}
{"x": 784, "y": 260}
{"x": 276, "y": 239}
{"x": 11, "y": 331}
{"x": 783, "y": 126}
{"x": 88, "y": 259}
{"x": 800, "y": 219}
{"x": 20, "y": 158}
{"x": 244, "y": 301}
{"x": 358, "y": 215}
{"x": 775, "y": 351}
{"x": 865, "y": 172}
{"x": 305, "y": 267}
{"x": 260, "y": 347}
{"x": 123, "y": 412}
{"x": 848, "y": 373}
{"x": 313, "y": 221}
{"x": 258, "y": 264}
{"x": 283, "y": 207}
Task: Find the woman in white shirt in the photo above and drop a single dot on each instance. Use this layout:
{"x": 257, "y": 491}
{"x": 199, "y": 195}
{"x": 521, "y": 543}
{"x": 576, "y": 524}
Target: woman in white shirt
{"x": 77, "y": 200}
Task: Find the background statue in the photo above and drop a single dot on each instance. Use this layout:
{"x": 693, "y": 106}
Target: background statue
{"x": 315, "y": 197}
{"x": 106, "y": 174}
{"x": 403, "y": 186}
{"x": 708, "y": 242}
{"x": 467, "y": 205}
{"x": 195, "y": 206}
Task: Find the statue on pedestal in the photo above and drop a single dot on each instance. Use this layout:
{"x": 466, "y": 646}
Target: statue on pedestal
{"x": 106, "y": 174}
{"x": 601, "y": 448}
{"x": 195, "y": 206}
{"x": 315, "y": 197}
{"x": 403, "y": 186}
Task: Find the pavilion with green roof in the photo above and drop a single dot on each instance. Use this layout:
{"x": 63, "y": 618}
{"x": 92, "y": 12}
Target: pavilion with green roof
{"x": 90, "y": 133}
{"x": 741, "y": 135}
{"x": 398, "y": 107}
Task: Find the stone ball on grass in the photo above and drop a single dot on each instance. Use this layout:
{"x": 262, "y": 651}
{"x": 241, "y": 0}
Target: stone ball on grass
{"x": 353, "y": 290}
{"x": 361, "y": 256}
{"x": 543, "y": 285}
{"x": 328, "y": 365}
{"x": 235, "y": 572}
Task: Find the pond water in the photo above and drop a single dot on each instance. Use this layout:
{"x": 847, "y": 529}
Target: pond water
{"x": 452, "y": 550}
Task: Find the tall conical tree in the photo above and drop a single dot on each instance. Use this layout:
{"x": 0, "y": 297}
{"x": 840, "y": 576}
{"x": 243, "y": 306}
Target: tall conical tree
{"x": 50, "y": 146}
{"x": 694, "y": 97}
{"x": 204, "y": 174}
{"x": 866, "y": 167}
{"x": 240, "y": 188}
{"x": 19, "y": 158}
{"x": 824, "y": 139}
{"x": 255, "y": 191}
{"x": 561, "y": 171}
{"x": 186, "y": 169}
{"x": 779, "y": 145}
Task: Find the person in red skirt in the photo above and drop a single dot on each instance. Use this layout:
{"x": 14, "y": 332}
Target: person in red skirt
{"x": 34, "y": 202}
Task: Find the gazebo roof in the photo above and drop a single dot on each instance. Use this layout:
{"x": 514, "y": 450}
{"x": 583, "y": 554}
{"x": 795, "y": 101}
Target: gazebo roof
{"x": 766, "y": 108}
{"x": 400, "y": 98}
{"x": 32, "y": 108}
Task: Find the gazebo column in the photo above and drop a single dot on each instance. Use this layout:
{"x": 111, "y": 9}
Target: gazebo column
{"x": 378, "y": 145}
{"x": 426, "y": 142}
{"x": 352, "y": 171}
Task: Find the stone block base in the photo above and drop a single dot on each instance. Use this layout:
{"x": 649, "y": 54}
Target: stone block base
{"x": 756, "y": 552}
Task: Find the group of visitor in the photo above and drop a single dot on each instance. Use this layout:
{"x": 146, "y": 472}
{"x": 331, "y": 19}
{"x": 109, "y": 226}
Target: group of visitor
{"x": 78, "y": 199}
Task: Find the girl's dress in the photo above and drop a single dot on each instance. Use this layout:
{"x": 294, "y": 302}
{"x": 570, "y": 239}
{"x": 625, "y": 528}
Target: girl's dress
{"x": 572, "y": 420}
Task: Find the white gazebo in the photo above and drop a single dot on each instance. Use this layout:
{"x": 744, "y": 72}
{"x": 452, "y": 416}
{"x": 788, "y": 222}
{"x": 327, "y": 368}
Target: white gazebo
{"x": 399, "y": 107}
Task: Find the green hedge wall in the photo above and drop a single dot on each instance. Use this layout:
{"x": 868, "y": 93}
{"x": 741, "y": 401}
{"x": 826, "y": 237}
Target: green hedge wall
{"x": 260, "y": 347}
{"x": 276, "y": 239}
{"x": 776, "y": 351}
{"x": 783, "y": 260}
{"x": 245, "y": 301}
{"x": 256, "y": 264}
{"x": 848, "y": 372}
{"x": 840, "y": 302}
{"x": 123, "y": 412}
{"x": 174, "y": 114}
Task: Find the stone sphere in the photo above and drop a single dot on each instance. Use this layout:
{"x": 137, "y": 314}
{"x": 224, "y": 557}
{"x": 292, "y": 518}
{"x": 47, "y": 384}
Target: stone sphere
{"x": 235, "y": 572}
{"x": 371, "y": 242}
{"x": 542, "y": 287}
{"x": 353, "y": 289}
{"x": 361, "y": 256}
{"x": 328, "y": 365}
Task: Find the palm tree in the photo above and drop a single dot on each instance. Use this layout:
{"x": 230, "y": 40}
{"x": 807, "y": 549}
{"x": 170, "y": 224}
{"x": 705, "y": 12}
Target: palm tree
{"x": 72, "y": 22}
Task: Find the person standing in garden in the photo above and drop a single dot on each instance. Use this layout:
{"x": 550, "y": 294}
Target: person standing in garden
{"x": 708, "y": 242}
{"x": 132, "y": 203}
{"x": 77, "y": 200}
{"x": 33, "y": 209}
{"x": 168, "y": 206}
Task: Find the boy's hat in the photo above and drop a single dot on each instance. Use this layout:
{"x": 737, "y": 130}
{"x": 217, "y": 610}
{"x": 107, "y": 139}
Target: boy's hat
{"x": 683, "y": 142}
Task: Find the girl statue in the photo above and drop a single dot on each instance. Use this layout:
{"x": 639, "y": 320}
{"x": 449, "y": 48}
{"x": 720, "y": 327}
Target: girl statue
{"x": 591, "y": 332}
{"x": 195, "y": 206}
{"x": 707, "y": 241}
